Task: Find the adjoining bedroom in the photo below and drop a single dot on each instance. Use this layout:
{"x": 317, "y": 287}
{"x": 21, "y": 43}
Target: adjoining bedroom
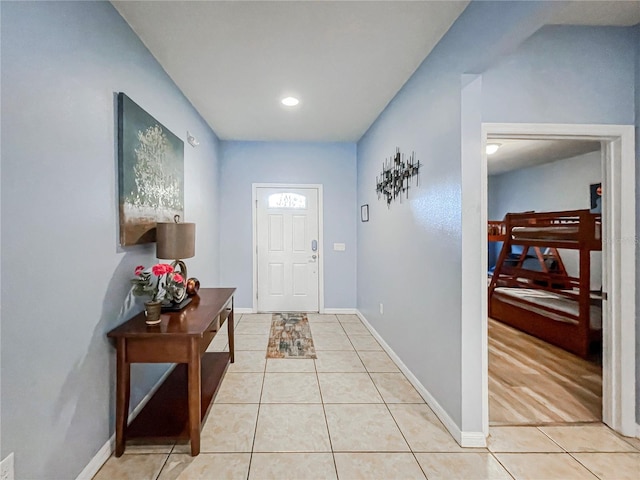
{"x": 544, "y": 281}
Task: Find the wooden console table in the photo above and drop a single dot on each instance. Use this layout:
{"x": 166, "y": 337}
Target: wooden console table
{"x": 181, "y": 403}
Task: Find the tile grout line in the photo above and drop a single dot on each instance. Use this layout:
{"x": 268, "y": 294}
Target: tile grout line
{"x": 413, "y": 454}
{"x": 501, "y": 464}
{"x": 381, "y": 397}
{"x": 389, "y": 410}
{"x": 255, "y": 429}
{"x": 572, "y": 454}
{"x": 494, "y": 455}
{"x": 585, "y": 467}
{"x": 173, "y": 447}
{"x": 550, "y": 438}
{"x": 164, "y": 464}
{"x": 260, "y": 404}
{"x": 324, "y": 412}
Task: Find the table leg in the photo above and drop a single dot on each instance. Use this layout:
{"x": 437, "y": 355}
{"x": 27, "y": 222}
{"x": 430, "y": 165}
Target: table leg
{"x": 123, "y": 390}
{"x": 194, "y": 381}
{"x": 230, "y": 328}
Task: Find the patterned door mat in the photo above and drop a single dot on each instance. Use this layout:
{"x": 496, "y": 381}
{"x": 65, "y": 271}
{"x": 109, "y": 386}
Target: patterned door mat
{"x": 290, "y": 337}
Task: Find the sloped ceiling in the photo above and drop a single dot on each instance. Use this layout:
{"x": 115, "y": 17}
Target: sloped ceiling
{"x": 514, "y": 154}
{"x": 345, "y": 60}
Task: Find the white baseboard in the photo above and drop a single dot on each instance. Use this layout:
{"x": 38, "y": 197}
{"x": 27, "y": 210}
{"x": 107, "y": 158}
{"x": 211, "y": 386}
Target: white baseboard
{"x": 340, "y": 311}
{"x": 465, "y": 439}
{"x": 98, "y": 460}
{"x": 473, "y": 439}
{"x": 242, "y": 310}
{"x": 107, "y": 449}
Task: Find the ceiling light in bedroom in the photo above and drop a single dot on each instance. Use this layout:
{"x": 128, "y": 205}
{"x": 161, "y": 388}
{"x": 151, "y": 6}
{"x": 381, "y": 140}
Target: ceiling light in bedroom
{"x": 290, "y": 101}
{"x": 492, "y": 148}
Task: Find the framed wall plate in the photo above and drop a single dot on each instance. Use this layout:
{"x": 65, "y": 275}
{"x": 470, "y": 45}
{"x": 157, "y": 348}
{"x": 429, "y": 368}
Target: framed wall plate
{"x": 364, "y": 213}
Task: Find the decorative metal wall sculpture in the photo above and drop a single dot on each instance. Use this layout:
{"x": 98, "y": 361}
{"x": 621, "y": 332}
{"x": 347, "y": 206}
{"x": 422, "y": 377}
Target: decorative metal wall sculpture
{"x": 396, "y": 176}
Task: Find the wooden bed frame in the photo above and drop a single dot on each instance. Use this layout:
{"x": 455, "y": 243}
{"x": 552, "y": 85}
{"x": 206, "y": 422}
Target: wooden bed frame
{"x": 577, "y": 230}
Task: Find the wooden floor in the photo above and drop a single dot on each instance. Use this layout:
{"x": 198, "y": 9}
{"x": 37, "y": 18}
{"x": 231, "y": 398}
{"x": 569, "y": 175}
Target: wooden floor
{"x": 532, "y": 382}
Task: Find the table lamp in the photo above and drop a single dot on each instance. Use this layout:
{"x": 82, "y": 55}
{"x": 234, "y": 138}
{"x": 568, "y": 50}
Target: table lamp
{"x": 175, "y": 241}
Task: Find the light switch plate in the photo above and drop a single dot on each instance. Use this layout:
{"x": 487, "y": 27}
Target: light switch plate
{"x": 339, "y": 247}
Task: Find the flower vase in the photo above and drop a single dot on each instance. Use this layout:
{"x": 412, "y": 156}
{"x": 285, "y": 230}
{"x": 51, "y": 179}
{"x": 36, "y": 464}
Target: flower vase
{"x": 152, "y": 312}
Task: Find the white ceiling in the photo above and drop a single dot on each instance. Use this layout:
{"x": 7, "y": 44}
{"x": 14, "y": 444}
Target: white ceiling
{"x": 622, "y": 13}
{"x": 345, "y": 60}
{"x": 514, "y": 154}
{"x": 235, "y": 60}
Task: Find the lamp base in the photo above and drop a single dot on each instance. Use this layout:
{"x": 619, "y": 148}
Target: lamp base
{"x": 180, "y": 267}
{"x": 176, "y": 307}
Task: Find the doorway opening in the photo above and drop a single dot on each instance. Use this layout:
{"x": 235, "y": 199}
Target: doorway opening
{"x": 544, "y": 367}
{"x": 618, "y": 253}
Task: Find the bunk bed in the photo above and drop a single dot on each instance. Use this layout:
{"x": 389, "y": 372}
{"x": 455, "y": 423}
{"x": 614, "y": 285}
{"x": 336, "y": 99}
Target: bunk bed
{"x": 542, "y": 259}
{"x": 547, "y": 302}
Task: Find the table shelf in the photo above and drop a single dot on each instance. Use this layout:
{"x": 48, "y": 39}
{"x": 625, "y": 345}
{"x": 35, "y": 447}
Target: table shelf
{"x": 170, "y": 404}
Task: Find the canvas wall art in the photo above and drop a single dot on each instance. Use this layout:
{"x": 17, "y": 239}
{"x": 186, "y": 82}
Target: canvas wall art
{"x": 151, "y": 173}
{"x": 595, "y": 192}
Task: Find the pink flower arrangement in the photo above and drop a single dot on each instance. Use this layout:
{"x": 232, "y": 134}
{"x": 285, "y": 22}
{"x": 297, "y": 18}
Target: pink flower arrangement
{"x": 161, "y": 269}
{"x": 160, "y": 283}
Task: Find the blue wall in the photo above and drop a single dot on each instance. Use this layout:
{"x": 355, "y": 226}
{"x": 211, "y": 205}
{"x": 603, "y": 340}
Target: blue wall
{"x": 331, "y": 164}
{"x": 551, "y": 187}
{"x": 570, "y": 75}
{"x": 565, "y": 75}
{"x": 64, "y": 278}
{"x": 409, "y": 256}
{"x": 637, "y": 42}
{"x": 560, "y": 185}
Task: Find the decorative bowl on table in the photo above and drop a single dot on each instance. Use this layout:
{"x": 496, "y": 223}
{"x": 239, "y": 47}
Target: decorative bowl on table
{"x": 193, "y": 285}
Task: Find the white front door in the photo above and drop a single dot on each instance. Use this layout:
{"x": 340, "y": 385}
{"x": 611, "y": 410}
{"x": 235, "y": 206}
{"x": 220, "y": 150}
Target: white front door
{"x": 287, "y": 249}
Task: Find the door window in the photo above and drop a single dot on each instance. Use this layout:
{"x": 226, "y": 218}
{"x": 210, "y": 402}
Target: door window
{"x": 287, "y": 200}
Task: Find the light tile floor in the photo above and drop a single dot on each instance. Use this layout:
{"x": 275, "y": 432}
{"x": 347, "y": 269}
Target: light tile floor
{"x": 351, "y": 414}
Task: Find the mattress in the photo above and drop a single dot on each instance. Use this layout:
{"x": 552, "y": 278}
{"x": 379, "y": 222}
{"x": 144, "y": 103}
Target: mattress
{"x": 561, "y": 304}
{"x": 551, "y": 232}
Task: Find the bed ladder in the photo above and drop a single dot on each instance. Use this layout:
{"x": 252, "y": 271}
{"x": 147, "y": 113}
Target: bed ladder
{"x": 506, "y": 273}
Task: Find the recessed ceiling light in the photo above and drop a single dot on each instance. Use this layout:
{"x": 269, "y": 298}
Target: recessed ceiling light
{"x": 290, "y": 101}
{"x": 492, "y": 148}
